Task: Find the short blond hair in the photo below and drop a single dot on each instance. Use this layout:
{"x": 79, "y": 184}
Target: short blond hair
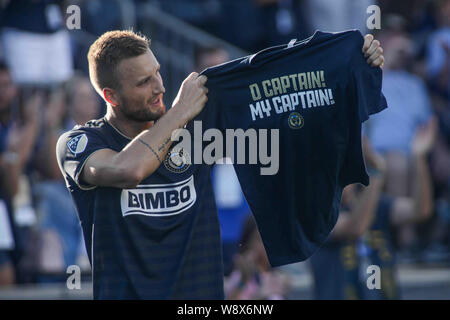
{"x": 108, "y": 51}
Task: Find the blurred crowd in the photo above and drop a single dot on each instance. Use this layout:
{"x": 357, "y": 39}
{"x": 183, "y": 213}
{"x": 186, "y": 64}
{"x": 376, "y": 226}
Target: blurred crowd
{"x": 402, "y": 217}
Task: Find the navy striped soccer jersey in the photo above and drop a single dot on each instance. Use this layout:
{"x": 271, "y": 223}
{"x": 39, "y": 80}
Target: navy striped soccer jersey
{"x": 161, "y": 239}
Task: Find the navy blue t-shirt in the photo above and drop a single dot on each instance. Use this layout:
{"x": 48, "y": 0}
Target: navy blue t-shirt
{"x": 317, "y": 92}
{"x": 11, "y": 254}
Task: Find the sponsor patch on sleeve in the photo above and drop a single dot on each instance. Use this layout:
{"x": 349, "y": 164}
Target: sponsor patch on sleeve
{"x": 77, "y": 144}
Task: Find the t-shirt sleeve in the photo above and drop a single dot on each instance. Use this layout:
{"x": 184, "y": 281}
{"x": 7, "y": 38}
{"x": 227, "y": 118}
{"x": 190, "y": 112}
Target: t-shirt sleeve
{"x": 73, "y": 150}
{"x": 365, "y": 82}
{"x": 210, "y": 115}
{"x": 209, "y": 120}
{"x": 366, "y": 98}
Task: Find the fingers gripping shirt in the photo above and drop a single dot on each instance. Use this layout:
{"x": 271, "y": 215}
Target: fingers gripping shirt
{"x": 316, "y": 92}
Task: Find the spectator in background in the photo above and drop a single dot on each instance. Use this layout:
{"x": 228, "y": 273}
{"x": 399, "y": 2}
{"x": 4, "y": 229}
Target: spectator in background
{"x": 282, "y": 21}
{"x": 82, "y": 102}
{"x": 438, "y": 68}
{"x": 438, "y": 55}
{"x": 9, "y": 175}
{"x": 235, "y": 16}
{"x": 17, "y": 136}
{"x": 201, "y": 13}
{"x": 252, "y": 277}
{"x": 438, "y": 73}
{"x": 391, "y": 133}
{"x": 265, "y": 22}
{"x": 59, "y": 226}
{"x": 36, "y": 46}
{"x": 338, "y": 265}
{"x": 337, "y": 15}
{"x": 206, "y": 57}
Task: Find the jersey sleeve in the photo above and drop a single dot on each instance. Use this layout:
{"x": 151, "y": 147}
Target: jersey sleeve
{"x": 366, "y": 98}
{"x": 73, "y": 150}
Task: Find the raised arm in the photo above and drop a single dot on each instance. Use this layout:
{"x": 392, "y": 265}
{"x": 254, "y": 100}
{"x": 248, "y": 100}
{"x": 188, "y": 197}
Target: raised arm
{"x": 21, "y": 140}
{"x": 143, "y": 155}
{"x": 419, "y": 207}
{"x": 353, "y": 223}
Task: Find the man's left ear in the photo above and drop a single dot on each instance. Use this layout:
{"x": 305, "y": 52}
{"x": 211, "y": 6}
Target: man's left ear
{"x": 110, "y": 96}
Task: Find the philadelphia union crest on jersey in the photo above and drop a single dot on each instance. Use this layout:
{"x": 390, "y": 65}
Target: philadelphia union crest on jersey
{"x": 177, "y": 160}
{"x": 295, "y": 120}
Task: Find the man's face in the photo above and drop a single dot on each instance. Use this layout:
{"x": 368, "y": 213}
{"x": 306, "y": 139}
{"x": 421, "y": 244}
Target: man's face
{"x": 141, "y": 88}
{"x": 85, "y": 103}
{"x": 398, "y": 51}
{"x": 7, "y": 90}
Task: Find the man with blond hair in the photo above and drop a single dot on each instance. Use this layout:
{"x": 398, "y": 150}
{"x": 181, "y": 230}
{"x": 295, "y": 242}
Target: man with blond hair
{"x": 151, "y": 230}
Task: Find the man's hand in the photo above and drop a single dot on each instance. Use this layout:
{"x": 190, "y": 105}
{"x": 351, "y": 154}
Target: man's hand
{"x": 424, "y": 138}
{"x": 142, "y": 156}
{"x": 192, "y": 95}
{"x": 373, "y": 51}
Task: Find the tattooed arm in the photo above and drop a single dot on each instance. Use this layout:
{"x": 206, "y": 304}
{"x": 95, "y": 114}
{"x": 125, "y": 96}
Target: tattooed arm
{"x": 143, "y": 155}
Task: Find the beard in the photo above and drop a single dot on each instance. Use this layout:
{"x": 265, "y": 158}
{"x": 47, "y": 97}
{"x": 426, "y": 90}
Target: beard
{"x": 142, "y": 114}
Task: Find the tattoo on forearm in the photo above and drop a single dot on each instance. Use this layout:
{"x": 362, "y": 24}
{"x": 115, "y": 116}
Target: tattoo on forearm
{"x": 150, "y": 148}
{"x": 163, "y": 146}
